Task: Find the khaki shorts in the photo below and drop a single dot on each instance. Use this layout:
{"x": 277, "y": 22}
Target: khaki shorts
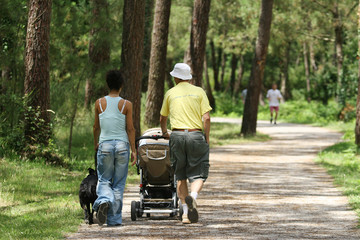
{"x": 189, "y": 155}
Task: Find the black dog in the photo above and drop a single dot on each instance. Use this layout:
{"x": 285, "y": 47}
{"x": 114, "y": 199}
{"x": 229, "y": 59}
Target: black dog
{"x": 87, "y": 195}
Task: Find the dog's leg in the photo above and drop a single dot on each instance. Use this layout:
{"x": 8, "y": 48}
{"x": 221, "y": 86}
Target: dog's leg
{"x": 90, "y": 217}
{"x": 86, "y": 214}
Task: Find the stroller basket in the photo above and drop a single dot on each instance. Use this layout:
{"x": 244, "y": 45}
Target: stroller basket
{"x": 154, "y": 158}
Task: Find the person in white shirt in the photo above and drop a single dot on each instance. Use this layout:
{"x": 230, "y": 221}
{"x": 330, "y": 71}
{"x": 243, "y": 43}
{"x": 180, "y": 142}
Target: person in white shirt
{"x": 274, "y": 96}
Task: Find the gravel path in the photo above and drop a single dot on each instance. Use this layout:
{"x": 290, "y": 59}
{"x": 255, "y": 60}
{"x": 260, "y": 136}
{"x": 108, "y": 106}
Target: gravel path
{"x": 261, "y": 190}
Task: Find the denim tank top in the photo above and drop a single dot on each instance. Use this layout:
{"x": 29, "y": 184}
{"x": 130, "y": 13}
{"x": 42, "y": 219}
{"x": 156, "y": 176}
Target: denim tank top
{"x": 113, "y": 121}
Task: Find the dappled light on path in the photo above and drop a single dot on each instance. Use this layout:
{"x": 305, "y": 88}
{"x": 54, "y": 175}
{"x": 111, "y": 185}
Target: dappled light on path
{"x": 258, "y": 190}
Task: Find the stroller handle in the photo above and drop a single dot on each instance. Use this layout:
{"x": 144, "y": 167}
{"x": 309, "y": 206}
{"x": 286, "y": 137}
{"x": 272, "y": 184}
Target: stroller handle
{"x": 155, "y": 137}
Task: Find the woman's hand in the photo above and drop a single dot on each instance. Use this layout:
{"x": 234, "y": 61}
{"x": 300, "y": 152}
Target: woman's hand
{"x": 133, "y": 158}
{"x": 96, "y": 147}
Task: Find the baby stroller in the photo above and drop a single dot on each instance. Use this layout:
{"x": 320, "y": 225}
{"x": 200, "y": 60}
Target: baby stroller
{"x": 157, "y": 179}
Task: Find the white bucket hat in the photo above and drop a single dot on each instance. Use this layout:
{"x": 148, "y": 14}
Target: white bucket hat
{"x": 181, "y": 71}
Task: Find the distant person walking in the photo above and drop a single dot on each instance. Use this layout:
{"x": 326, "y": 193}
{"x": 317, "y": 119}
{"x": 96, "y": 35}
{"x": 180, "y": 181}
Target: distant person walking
{"x": 274, "y": 96}
{"x": 189, "y": 111}
{"x": 243, "y": 95}
{"x": 114, "y": 125}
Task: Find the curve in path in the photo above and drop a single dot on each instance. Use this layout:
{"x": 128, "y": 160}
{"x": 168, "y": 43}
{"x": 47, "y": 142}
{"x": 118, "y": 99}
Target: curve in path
{"x": 259, "y": 190}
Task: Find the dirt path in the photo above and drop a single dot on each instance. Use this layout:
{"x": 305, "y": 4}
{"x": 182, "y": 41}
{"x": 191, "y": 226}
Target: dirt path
{"x": 262, "y": 190}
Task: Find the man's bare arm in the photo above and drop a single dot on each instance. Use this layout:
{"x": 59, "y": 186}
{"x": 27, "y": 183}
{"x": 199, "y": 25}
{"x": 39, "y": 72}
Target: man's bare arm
{"x": 206, "y": 119}
{"x": 163, "y": 125}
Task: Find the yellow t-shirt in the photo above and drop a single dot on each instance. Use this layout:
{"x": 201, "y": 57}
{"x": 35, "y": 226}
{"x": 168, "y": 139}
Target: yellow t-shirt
{"x": 185, "y": 104}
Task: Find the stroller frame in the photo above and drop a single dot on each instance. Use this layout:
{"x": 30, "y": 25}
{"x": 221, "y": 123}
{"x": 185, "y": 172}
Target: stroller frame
{"x": 154, "y": 198}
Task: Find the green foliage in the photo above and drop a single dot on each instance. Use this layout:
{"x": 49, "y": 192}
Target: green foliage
{"x": 12, "y": 126}
{"x": 314, "y": 112}
{"x": 227, "y": 105}
{"x": 38, "y": 201}
{"x": 13, "y": 21}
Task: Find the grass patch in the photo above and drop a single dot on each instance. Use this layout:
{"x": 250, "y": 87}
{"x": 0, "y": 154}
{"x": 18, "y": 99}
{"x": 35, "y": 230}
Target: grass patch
{"x": 342, "y": 161}
{"x": 38, "y": 201}
{"x": 343, "y": 164}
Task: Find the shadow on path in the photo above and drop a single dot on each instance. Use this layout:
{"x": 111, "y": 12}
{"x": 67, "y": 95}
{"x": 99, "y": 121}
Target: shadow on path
{"x": 261, "y": 190}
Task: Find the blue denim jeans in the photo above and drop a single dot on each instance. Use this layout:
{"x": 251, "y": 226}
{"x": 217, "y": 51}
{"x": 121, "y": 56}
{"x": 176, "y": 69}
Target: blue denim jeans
{"x": 112, "y": 168}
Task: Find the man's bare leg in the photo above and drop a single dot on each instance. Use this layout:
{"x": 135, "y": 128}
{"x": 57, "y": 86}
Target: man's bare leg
{"x": 197, "y": 185}
{"x": 182, "y": 190}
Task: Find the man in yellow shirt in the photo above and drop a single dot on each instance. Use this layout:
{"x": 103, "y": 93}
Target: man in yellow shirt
{"x": 189, "y": 111}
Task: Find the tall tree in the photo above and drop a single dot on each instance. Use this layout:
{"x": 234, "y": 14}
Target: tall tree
{"x": 215, "y": 66}
{"x": 99, "y": 46}
{"x": 208, "y": 86}
{"x": 37, "y": 66}
{"x": 132, "y": 55}
{"x": 249, "y": 122}
{"x": 223, "y": 65}
{"x": 240, "y": 74}
{"x": 231, "y": 85}
{"x": 157, "y": 62}
{"x": 199, "y": 25}
{"x": 284, "y": 75}
{"x": 357, "y": 126}
{"x": 149, "y": 15}
{"x": 307, "y": 72}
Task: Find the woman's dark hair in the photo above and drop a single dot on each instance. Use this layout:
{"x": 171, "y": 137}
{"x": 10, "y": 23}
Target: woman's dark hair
{"x": 114, "y": 79}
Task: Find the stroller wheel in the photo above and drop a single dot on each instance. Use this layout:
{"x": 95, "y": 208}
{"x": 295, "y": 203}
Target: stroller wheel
{"x": 139, "y": 212}
{"x": 133, "y": 210}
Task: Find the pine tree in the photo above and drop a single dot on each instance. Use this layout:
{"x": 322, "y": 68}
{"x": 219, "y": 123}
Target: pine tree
{"x": 37, "y": 67}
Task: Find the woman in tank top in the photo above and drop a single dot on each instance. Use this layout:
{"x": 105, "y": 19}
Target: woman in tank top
{"x": 114, "y": 136}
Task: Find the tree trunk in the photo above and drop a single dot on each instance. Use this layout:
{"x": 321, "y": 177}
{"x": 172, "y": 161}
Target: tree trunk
{"x": 249, "y": 122}
{"x": 357, "y": 126}
{"x": 311, "y": 51}
{"x": 223, "y": 65}
{"x": 132, "y": 55}
{"x": 149, "y": 15}
{"x": 307, "y": 72}
{"x": 238, "y": 82}
{"x": 168, "y": 78}
{"x": 215, "y": 66}
{"x": 208, "y": 86}
{"x": 285, "y": 72}
{"x": 5, "y": 77}
{"x": 199, "y": 26}
{"x": 312, "y": 56}
{"x": 231, "y": 85}
{"x": 338, "y": 44}
{"x": 99, "y": 46}
{"x": 37, "y": 77}
{"x": 155, "y": 91}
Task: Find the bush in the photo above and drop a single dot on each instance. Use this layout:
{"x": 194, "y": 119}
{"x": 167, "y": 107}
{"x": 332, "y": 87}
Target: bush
{"x": 314, "y": 112}
{"x": 12, "y": 138}
{"x": 12, "y": 125}
{"x": 227, "y": 105}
